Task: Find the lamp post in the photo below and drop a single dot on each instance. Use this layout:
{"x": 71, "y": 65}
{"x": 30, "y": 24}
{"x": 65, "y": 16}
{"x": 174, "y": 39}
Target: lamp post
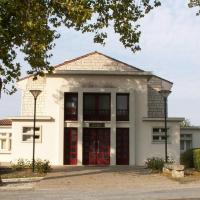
{"x": 35, "y": 94}
{"x": 165, "y": 94}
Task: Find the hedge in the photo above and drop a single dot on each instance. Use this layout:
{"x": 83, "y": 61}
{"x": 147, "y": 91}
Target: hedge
{"x": 191, "y": 158}
{"x": 196, "y": 158}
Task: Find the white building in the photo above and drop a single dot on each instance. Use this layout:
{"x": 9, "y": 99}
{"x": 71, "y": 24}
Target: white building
{"x": 190, "y": 138}
{"x": 93, "y": 110}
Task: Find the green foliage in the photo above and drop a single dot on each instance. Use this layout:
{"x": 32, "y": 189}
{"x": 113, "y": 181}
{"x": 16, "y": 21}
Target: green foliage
{"x": 30, "y": 27}
{"x": 186, "y": 123}
{"x": 155, "y": 163}
{"x": 191, "y": 158}
{"x": 196, "y": 158}
{"x": 194, "y": 3}
{"x": 21, "y": 164}
{"x": 41, "y": 166}
{"x": 187, "y": 158}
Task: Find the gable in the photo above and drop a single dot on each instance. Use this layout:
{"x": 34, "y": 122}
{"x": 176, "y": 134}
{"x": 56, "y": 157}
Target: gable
{"x": 96, "y": 61}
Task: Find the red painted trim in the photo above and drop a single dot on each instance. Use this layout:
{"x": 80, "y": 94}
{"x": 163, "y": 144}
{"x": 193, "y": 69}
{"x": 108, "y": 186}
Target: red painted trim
{"x": 70, "y": 149}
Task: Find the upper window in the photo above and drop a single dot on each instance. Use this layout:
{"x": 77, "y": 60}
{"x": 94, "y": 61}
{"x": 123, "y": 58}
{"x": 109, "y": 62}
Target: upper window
{"x": 27, "y": 134}
{"x": 186, "y": 142}
{"x": 96, "y": 107}
{"x": 71, "y": 106}
{"x": 5, "y": 142}
{"x": 122, "y": 112}
{"x": 158, "y": 135}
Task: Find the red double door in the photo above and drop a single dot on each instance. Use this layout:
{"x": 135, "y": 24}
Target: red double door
{"x": 96, "y": 146}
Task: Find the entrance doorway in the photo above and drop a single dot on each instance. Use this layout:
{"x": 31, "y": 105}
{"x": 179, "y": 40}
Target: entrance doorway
{"x": 96, "y": 146}
{"x": 122, "y": 146}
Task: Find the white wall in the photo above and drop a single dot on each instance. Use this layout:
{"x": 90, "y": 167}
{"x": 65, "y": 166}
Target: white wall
{"x": 51, "y": 103}
{"x": 47, "y": 149}
{"x": 146, "y": 149}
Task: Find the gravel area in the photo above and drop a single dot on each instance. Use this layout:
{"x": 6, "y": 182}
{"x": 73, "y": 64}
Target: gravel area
{"x": 116, "y": 177}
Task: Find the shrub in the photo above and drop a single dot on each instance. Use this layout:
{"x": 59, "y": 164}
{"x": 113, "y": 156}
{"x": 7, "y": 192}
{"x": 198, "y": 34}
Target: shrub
{"x": 191, "y": 158}
{"x": 187, "y": 158}
{"x": 42, "y": 166}
{"x": 21, "y": 164}
{"x": 196, "y": 159}
{"x": 155, "y": 163}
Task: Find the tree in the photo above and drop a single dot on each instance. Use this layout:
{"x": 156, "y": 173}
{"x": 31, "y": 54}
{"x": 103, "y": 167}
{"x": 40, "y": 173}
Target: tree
{"x": 30, "y": 27}
{"x": 186, "y": 123}
{"x": 194, "y": 3}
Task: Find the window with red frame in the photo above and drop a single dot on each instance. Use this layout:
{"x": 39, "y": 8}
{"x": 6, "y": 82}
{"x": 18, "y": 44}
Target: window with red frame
{"x": 71, "y": 106}
{"x": 122, "y": 111}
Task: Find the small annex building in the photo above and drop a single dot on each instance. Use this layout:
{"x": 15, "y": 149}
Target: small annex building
{"x": 93, "y": 110}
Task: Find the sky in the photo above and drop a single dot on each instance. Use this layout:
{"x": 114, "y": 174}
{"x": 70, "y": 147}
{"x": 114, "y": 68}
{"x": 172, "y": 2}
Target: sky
{"x": 170, "y": 45}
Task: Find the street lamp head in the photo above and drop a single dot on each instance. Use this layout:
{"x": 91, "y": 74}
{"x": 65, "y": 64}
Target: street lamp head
{"x": 35, "y": 93}
{"x": 164, "y": 93}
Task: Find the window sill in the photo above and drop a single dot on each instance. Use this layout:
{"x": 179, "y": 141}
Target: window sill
{"x": 160, "y": 143}
{"x": 123, "y": 121}
{"x": 5, "y": 152}
{"x": 30, "y": 142}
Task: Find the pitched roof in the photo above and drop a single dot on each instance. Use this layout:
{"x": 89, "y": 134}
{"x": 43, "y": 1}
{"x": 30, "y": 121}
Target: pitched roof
{"x": 125, "y": 65}
{"x": 112, "y": 64}
{"x": 5, "y": 122}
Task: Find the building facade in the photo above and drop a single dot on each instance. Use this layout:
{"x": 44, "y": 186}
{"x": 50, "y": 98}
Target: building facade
{"x": 94, "y": 110}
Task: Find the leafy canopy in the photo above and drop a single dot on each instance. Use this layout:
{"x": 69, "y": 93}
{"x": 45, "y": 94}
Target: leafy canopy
{"x": 194, "y": 3}
{"x": 30, "y": 27}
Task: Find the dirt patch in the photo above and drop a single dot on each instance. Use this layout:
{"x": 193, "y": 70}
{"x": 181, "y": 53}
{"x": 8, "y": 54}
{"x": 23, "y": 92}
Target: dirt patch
{"x": 7, "y": 173}
{"x": 103, "y": 177}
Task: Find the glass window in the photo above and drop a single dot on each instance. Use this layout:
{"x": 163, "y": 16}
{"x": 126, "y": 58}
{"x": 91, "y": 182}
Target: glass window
{"x": 5, "y": 142}
{"x": 158, "y": 135}
{"x": 27, "y": 134}
{"x": 186, "y": 142}
{"x": 96, "y": 107}
{"x": 122, "y": 111}
{"x": 71, "y": 106}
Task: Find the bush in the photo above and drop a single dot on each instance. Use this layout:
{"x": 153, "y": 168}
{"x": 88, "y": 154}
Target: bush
{"x": 155, "y": 163}
{"x": 21, "y": 164}
{"x": 187, "y": 159}
{"x": 191, "y": 158}
{"x": 41, "y": 166}
{"x": 196, "y": 159}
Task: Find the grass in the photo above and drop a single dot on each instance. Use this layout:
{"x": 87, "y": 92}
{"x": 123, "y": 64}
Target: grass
{"x": 7, "y": 173}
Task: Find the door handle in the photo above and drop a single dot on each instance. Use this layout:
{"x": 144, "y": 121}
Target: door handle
{"x": 98, "y": 146}
{"x": 94, "y": 146}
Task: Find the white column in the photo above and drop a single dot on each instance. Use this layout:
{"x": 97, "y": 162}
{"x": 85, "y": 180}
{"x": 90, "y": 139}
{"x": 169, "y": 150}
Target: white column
{"x": 132, "y": 143}
{"x": 80, "y": 127}
{"x": 113, "y": 129}
{"x": 61, "y": 130}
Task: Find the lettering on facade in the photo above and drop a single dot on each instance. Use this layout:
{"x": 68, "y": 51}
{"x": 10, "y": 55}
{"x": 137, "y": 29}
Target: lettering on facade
{"x": 97, "y": 125}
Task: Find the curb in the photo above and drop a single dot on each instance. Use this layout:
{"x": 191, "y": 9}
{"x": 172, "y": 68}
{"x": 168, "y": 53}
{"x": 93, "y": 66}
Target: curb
{"x": 22, "y": 180}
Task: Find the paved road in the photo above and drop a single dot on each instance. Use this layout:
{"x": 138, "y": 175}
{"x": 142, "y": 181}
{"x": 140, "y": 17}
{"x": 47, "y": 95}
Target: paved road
{"x": 57, "y": 194}
{"x": 110, "y": 183}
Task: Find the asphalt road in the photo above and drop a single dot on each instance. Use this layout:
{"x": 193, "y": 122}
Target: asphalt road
{"x": 106, "y": 194}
